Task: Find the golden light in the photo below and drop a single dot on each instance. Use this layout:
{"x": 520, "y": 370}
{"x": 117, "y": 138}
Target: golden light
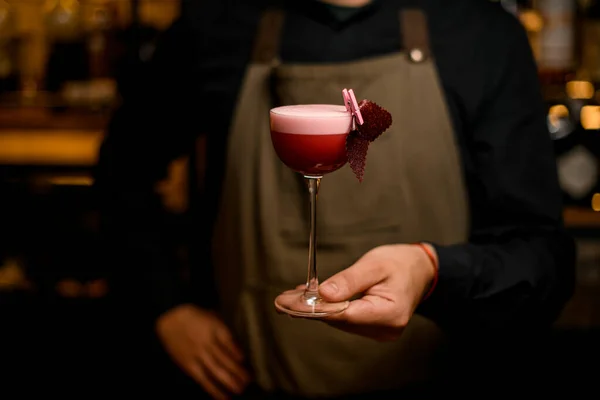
{"x": 596, "y": 202}
{"x": 590, "y": 117}
{"x": 68, "y": 5}
{"x": 531, "y": 20}
{"x": 50, "y": 147}
{"x": 70, "y": 180}
{"x": 580, "y": 89}
{"x": 557, "y": 112}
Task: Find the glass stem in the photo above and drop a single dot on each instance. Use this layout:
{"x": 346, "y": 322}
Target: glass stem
{"x": 311, "y": 294}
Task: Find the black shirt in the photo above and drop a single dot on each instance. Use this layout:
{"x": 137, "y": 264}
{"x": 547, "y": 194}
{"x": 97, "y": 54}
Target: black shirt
{"x": 518, "y": 264}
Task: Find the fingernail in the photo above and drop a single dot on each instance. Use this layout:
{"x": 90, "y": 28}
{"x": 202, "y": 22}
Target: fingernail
{"x": 328, "y": 288}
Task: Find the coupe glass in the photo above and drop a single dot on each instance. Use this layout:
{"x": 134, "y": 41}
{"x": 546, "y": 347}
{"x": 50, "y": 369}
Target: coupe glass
{"x": 311, "y": 140}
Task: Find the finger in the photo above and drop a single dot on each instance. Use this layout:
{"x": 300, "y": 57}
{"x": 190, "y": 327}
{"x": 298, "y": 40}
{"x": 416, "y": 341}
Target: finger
{"x": 199, "y": 375}
{"x": 225, "y": 340}
{"x": 220, "y": 374}
{"x": 372, "y": 316}
{"x": 368, "y": 317}
{"x": 230, "y": 365}
{"x": 353, "y": 280}
{"x": 366, "y": 311}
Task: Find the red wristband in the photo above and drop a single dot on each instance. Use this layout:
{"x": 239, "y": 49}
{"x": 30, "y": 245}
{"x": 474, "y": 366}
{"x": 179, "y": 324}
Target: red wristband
{"x": 435, "y": 269}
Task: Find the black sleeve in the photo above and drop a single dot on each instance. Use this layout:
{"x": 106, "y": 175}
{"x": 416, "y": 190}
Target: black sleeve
{"x": 156, "y": 124}
{"x": 517, "y": 268}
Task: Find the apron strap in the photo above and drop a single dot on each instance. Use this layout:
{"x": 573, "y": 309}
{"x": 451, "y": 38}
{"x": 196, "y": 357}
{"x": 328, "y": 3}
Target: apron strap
{"x": 415, "y": 34}
{"x": 413, "y": 22}
{"x": 266, "y": 45}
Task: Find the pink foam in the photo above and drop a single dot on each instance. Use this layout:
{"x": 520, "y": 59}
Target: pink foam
{"x": 311, "y": 119}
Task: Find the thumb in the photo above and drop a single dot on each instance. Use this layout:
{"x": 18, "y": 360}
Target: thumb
{"x": 352, "y": 281}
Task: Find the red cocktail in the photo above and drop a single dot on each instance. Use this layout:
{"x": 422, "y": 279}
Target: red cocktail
{"x": 312, "y": 155}
{"x": 311, "y": 140}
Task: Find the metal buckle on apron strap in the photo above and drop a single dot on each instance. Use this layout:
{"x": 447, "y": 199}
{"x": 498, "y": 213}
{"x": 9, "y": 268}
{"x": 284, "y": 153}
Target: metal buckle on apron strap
{"x": 416, "y": 56}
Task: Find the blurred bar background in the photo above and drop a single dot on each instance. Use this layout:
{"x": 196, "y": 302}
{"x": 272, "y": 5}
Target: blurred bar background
{"x": 65, "y": 65}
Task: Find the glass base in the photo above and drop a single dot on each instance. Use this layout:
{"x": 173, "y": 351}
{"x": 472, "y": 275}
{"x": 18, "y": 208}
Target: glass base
{"x": 297, "y": 304}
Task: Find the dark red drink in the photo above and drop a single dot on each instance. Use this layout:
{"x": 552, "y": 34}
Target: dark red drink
{"x": 311, "y": 139}
{"x": 311, "y": 155}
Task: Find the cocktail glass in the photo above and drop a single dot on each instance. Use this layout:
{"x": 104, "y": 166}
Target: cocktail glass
{"x": 311, "y": 140}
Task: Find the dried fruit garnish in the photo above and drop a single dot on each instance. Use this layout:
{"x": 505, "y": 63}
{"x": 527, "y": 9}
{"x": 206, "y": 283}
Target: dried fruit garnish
{"x": 356, "y": 151}
{"x": 377, "y": 120}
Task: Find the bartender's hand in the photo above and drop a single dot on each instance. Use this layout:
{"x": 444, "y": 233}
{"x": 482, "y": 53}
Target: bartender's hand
{"x": 391, "y": 281}
{"x": 202, "y": 345}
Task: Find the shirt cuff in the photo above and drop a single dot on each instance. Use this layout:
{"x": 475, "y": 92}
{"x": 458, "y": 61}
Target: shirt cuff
{"x": 453, "y": 282}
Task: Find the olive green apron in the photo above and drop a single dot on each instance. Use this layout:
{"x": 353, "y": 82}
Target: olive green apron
{"x": 412, "y": 191}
